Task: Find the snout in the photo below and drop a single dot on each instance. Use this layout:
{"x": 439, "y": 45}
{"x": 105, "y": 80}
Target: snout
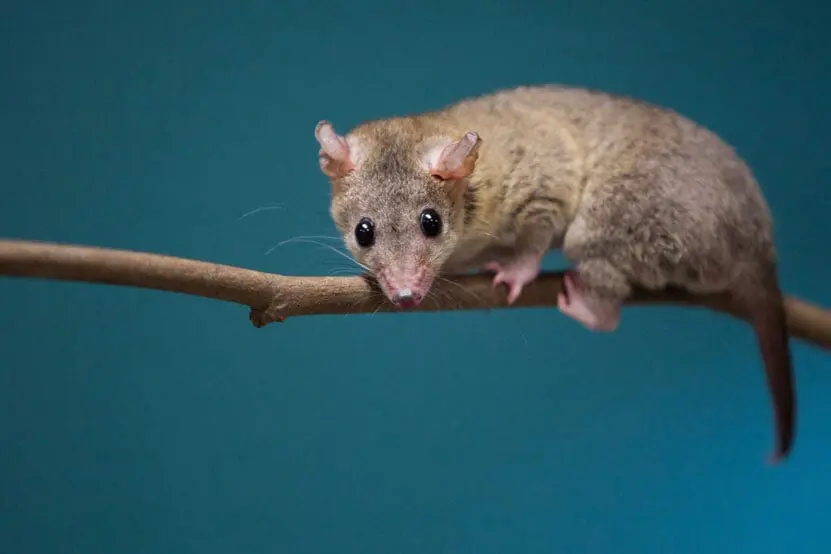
{"x": 406, "y": 289}
{"x": 406, "y": 298}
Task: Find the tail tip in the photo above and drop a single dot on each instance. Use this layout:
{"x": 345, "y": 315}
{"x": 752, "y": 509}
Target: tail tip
{"x": 778, "y": 456}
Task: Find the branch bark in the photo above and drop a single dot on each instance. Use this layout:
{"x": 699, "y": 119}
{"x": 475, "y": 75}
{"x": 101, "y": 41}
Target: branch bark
{"x": 273, "y": 297}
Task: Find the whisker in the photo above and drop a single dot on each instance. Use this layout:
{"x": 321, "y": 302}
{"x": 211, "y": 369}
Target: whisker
{"x": 373, "y": 295}
{"x": 378, "y": 307}
{"x": 338, "y": 265}
{"x": 432, "y": 297}
{"x": 461, "y": 287}
{"x": 347, "y": 271}
{"x": 440, "y": 297}
{"x": 454, "y": 300}
{"x": 315, "y": 237}
{"x": 327, "y": 246}
{"x": 261, "y": 209}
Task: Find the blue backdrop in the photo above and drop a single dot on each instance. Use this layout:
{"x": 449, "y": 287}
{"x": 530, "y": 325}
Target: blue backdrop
{"x": 136, "y": 421}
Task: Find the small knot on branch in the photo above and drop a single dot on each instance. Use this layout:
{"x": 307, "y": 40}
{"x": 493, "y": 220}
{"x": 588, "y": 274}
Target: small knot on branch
{"x": 274, "y": 312}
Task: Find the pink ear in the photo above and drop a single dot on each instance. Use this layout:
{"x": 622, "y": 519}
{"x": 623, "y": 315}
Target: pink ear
{"x": 457, "y": 159}
{"x": 335, "y": 159}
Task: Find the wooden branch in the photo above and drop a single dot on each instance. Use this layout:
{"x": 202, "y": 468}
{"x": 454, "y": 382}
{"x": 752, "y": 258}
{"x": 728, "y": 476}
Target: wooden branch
{"x": 274, "y": 297}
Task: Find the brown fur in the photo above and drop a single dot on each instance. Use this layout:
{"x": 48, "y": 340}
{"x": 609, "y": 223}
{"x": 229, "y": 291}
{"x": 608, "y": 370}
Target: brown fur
{"x": 634, "y": 194}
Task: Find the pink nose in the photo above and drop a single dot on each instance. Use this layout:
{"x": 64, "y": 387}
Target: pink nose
{"x": 406, "y": 298}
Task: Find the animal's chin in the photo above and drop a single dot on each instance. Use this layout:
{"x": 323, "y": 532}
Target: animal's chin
{"x": 406, "y": 304}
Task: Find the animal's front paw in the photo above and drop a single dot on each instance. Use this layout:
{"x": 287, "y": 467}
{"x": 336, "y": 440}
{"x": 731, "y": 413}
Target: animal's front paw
{"x": 515, "y": 273}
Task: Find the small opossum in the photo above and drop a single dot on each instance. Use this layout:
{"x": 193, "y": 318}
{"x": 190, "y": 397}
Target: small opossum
{"x": 632, "y": 193}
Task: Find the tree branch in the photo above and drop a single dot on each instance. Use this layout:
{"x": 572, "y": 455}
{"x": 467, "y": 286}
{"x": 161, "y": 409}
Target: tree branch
{"x": 273, "y": 297}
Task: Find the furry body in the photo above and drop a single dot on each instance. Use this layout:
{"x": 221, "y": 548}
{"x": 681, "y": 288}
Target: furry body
{"x": 634, "y": 195}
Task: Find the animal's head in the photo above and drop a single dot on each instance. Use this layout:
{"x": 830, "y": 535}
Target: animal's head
{"x": 398, "y": 199}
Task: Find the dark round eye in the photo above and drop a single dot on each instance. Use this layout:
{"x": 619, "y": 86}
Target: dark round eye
{"x": 365, "y": 233}
{"x": 430, "y": 223}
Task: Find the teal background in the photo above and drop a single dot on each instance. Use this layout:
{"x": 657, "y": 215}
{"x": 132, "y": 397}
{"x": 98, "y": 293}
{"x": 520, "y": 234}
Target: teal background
{"x": 136, "y": 421}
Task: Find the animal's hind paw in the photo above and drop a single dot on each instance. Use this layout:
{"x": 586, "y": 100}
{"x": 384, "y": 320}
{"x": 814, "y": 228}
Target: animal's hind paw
{"x": 574, "y": 303}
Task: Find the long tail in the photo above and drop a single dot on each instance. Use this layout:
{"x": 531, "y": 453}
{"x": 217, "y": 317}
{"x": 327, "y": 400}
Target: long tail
{"x": 767, "y": 316}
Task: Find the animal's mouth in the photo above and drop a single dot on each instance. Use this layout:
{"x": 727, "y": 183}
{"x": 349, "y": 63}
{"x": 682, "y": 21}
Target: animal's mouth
{"x": 406, "y": 300}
